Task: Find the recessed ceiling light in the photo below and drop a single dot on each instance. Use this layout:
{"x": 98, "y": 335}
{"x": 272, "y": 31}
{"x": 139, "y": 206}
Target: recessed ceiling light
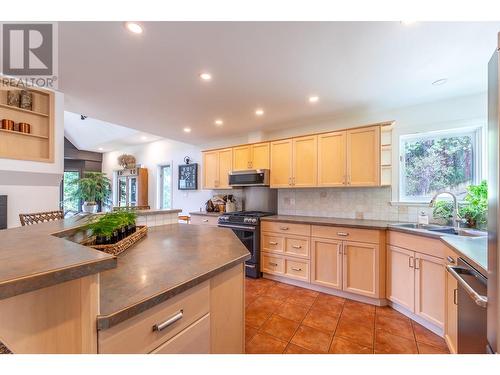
{"x": 134, "y": 27}
{"x": 219, "y": 122}
{"x": 313, "y": 99}
{"x": 187, "y": 130}
{"x": 440, "y": 82}
{"x": 259, "y": 111}
{"x": 100, "y": 149}
{"x": 206, "y": 76}
{"x": 144, "y": 138}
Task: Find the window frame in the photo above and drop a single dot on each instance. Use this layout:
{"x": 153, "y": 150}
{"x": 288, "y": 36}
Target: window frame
{"x": 477, "y": 149}
{"x": 161, "y": 187}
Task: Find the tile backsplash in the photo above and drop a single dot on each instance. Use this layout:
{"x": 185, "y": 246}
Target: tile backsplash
{"x": 349, "y": 203}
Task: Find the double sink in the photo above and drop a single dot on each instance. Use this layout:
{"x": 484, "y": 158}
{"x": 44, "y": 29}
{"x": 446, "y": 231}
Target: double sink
{"x": 439, "y": 230}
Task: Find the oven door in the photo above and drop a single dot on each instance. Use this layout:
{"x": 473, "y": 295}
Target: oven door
{"x": 250, "y": 237}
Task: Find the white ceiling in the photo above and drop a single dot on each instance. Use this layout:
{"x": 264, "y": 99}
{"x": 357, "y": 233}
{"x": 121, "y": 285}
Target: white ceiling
{"x": 100, "y": 136}
{"x": 150, "y": 82}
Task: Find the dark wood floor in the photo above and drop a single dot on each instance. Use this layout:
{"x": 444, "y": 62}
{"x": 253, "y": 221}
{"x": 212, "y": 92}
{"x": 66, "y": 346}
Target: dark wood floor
{"x": 282, "y": 318}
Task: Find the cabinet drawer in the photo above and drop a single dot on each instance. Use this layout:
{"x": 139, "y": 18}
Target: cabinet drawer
{"x": 286, "y": 228}
{"x": 204, "y": 220}
{"x": 137, "y": 335}
{"x": 297, "y": 246}
{"x": 344, "y": 233}
{"x": 195, "y": 339}
{"x": 272, "y": 264}
{"x": 429, "y": 246}
{"x": 297, "y": 269}
{"x": 272, "y": 243}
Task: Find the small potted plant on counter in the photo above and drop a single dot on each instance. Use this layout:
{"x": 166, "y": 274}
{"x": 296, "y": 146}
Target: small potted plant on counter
{"x": 93, "y": 188}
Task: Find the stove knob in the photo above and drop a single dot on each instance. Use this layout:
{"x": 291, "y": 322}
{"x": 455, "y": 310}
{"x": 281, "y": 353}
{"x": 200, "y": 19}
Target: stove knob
{"x": 254, "y": 221}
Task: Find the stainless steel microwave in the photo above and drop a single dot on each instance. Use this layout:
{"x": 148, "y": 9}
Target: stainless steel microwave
{"x": 255, "y": 177}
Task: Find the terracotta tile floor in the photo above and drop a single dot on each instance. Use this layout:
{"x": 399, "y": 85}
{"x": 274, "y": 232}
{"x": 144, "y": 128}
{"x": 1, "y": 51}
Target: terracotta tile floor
{"x": 282, "y": 318}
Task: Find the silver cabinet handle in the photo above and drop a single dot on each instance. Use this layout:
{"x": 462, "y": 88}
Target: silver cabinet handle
{"x": 167, "y": 323}
{"x": 343, "y": 234}
{"x": 450, "y": 260}
{"x": 273, "y": 243}
{"x": 455, "y": 296}
{"x": 296, "y": 269}
{"x": 250, "y": 265}
{"x": 417, "y": 263}
{"x": 297, "y": 246}
{"x": 290, "y": 181}
{"x": 411, "y": 262}
{"x": 478, "y": 299}
{"x": 284, "y": 228}
{"x": 205, "y": 220}
{"x": 273, "y": 264}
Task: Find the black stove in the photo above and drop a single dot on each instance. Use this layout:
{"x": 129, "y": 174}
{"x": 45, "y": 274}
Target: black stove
{"x": 246, "y": 225}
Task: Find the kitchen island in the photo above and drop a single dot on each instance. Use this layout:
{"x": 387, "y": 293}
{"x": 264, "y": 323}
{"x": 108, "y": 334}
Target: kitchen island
{"x": 180, "y": 289}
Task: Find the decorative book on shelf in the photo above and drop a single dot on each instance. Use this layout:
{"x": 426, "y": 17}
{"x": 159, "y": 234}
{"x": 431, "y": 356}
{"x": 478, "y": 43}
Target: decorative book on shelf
{"x": 28, "y": 133}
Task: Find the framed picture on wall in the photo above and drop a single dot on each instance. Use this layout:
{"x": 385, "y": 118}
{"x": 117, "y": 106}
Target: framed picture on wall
{"x": 188, "y": 177}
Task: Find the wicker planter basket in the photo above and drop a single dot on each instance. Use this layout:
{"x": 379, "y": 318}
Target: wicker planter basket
{"x": 120, "y": 246}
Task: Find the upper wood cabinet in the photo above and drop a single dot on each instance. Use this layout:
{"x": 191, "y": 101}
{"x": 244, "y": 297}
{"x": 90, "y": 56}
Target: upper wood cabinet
{"x": 294, "y": 162}
{"x": 363, "y": 156}
{"x": 216, "y": 167}
{"x": 281, "y": 163}
{"x": 254, "y": 156}
{"x": 332, "y": 159}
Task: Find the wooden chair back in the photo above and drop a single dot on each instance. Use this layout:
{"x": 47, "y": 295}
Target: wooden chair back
{"x": 40, "y": 217}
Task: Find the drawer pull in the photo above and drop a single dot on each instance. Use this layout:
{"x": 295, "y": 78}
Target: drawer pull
{"x": 343, "y": 234}
{"x": 273, "y": 243}
{"x": 450, "y": 260}
{"x": 296, "y": 269}
{"x": 411, "y": 262}
{"x": 284, "y": 228}
{"x": 297, "y": 246}
{"x": 167, "y": 323}
{"x": 205, "y": 220}
{"x": 273, "y": 264}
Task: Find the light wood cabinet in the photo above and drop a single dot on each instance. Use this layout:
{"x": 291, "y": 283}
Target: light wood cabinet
{"x": 326, "y": 263}
{"x": 417, "y": 281}
{"x": 260, "y": 156}
{"x": 360, "y": 268}
{"x": 305, "y": 161}
{"x": 204, "y": 220}
{"x": 451, "y": 307}
{"x": 363, "y": 156}
{"x": 281, "y": 164}
{"x": 254, "y": 156}
{"x": 332, "y": 164}
{"x": 216, "y": 167}
{"x": 430, "y": 281}
{"x": 401, "y": 277}
{"x": 242, "y": 157}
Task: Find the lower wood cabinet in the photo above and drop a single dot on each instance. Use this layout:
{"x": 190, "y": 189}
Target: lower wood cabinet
{"x": 360, "y": 272}
{"x": 204, "y": 220}
{"x": 416, "y": 281}
{"x": 195, "y": 339}
{"x": 326, "y": 263}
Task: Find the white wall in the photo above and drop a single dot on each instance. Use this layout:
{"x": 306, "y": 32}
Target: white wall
{"x": 153, "y": 154}
{"x": 34, "y": 195}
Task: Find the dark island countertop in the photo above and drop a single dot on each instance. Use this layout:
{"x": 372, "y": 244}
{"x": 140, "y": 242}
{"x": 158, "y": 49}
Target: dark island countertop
{"x": 330, "y": 221}
{"x": 473, "y": 249}
{"x": 170, "y": 260}
{"x": 35, "y": 257}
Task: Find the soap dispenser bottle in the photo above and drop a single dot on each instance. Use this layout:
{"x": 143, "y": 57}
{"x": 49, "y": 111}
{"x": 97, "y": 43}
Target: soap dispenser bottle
{"x": 423, "y": 218}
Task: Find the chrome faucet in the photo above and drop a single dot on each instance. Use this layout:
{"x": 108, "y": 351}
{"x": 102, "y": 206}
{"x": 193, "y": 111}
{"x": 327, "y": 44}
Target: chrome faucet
{"x": 456, "y": 217}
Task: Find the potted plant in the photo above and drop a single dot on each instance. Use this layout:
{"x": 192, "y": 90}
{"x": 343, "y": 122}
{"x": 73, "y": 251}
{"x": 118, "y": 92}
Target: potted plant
{"x": 112, "y": 227}
{"x": 93, "y": 188}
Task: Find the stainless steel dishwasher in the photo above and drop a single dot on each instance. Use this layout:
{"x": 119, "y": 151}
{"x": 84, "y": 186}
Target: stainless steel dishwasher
{"x": 472, "y": 303}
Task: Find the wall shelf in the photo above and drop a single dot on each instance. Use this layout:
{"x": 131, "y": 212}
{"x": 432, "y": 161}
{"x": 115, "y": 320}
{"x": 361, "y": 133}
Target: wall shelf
{"x": 23, "y": 110}
{"x": 23, "y": 134}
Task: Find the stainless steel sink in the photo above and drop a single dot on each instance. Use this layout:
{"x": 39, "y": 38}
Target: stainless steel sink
{"x": 441, "y": 229}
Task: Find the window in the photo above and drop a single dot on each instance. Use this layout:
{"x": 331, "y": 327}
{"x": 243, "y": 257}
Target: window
{"x": 165, "y": 186}
{"x": 438, "y": 161}
{"x": 69, "y": 188}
